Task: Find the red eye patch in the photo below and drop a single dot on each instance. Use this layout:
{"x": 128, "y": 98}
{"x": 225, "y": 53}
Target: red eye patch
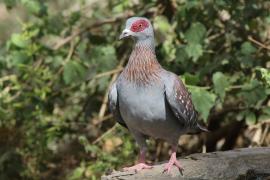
{"x": 139, "y": 25}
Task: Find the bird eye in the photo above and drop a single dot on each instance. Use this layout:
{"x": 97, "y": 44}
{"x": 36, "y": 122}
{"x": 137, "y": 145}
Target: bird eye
{"x": 140, "y": 25}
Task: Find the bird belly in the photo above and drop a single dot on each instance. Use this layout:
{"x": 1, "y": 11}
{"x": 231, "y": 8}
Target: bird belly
{"x": 145, "y": 109}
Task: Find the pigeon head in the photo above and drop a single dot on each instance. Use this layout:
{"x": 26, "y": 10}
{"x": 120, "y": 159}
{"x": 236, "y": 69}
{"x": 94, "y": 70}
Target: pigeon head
{"x": 138, "y": 28}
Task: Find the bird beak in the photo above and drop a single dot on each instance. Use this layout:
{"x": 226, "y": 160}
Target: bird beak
{"x": 125, "y": 33}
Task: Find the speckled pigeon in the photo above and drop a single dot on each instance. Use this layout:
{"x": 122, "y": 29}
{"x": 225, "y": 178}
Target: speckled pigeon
{"x": 149, "y": 100}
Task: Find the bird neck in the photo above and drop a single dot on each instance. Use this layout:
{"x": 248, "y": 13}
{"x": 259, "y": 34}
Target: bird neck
{"x": 146, "y": 42}
{"x": 142, "y": 67}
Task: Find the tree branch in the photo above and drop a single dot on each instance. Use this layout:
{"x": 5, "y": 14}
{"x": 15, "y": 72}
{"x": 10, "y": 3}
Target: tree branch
{"x": 246, "y": 163}
{"x": 94, "y": 25}
{"x": 250, "y": 38}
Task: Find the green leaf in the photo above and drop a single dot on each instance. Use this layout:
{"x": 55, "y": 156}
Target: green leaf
{"x": 32, "y": 5}
{"x": 247, "y": 48}
{"x": 196, "y": 33}
{"x": 265, "y": 115}
{"x": 19, "y": 57}
{"x": 250, "y": 117}
{"x": 194, "y": 36}
{"x": 191, "y": 79}
{"x": 220, "y": 84}
{"x": 73, "y": 71}
{"x": 161, "y": 24}
{"x": 77, "y": 173}
{"x": 181, "y": 55}
{"x": 102, "y": 83}
{"x": 10, "y": 3}
{"x": 264, "y": 75}
{"x": 103, "y": 58}
{"x": 168, "y": 49}
{"x": 266, "y": 110}
{"x": 253, "y": 93}
{"x": 74, "y": 17}
{"x": 69, "y": 72}
{"x": 20, "y": 41}
{"x": 203, "y": 101}
{"x": 194, "y": 51}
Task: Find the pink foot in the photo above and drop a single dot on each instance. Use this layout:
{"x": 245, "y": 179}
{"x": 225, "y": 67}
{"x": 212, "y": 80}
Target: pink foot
{"x": 138, "y": 167}
{"x": 173, "y": 161}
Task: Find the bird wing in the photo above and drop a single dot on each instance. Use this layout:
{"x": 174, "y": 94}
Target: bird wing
{"x": 180, "y": 102}
{"x": 114, "y": 105}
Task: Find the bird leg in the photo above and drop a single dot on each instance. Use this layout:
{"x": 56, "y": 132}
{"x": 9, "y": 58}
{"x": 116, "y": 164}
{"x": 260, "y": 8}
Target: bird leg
{"x": 173, "y": 161}
{"x": 141, "y": 164}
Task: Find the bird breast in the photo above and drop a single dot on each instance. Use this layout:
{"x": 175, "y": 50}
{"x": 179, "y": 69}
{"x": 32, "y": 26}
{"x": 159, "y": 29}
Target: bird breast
{"x": 144, "y": 102}
{"x": 144, "y": 108}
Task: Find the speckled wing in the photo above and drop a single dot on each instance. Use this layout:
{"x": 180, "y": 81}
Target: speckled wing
{"x": 180, "y": 102}
{"x": 114, "y": 105}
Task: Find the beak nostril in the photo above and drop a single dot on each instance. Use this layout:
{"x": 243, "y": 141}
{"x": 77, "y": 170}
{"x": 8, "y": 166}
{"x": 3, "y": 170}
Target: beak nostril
{"x": 124, "y": 34}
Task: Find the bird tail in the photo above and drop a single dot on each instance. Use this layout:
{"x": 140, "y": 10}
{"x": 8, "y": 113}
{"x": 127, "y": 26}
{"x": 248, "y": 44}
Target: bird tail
{"x": 198, "y": 128}
{"x": 202, "y": 128}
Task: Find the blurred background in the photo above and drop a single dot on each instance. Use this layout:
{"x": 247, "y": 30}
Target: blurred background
{"x": 58, "y": 58}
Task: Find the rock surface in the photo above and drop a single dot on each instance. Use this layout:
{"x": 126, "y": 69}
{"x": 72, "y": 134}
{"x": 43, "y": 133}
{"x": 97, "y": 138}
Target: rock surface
{"x": 246, "y": 163}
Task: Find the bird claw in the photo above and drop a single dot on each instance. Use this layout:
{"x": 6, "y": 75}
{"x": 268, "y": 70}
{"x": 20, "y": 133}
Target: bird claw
{"x": 169, "y": 165}
{"x": 138, "y": 167}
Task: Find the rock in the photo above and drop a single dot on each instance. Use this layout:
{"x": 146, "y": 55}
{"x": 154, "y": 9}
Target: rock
{"x": 246, "y": 163}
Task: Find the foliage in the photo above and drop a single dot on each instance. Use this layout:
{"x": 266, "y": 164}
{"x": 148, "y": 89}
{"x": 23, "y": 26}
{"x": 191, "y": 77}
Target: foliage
{"x": 53, "y": 82}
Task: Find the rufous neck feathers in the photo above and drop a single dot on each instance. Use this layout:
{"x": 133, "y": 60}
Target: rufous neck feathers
{"x": 142, "y": 67}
